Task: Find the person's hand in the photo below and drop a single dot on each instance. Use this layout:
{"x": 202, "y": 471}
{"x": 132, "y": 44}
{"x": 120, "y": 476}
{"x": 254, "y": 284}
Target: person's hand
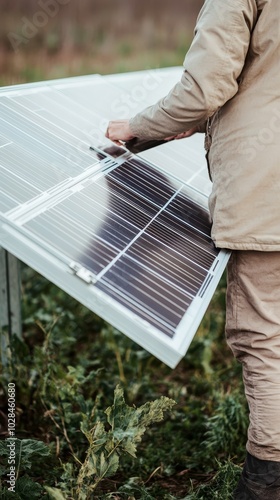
{"x": 188, "y": 133}
{"x": 119, "y": 131}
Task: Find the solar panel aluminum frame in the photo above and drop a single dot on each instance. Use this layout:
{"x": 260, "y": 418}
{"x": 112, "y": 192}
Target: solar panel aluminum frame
{"x": 168, "y": 350}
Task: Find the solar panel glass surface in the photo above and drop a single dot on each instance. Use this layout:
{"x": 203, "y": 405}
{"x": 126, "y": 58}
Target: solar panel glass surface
{"x": 128, "y": 236}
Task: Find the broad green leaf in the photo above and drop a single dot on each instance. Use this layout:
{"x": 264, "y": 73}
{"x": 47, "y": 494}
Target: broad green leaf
{"x": 4, "y": 450}
{"x": 113, "y": 465}
{"x": 90, "y": 466}
{"x": 103, "y": 466}
{"x": 119, "y": 414}
{"x": 96, "y": 436}
{"x": 55, "y": 493}
{"x": 129, "y": 423}
{"x": 31, "y": 448}
{"x": 108, "y": 465}
{"x": 28, "y": 489}
{"x": 27, "y": 449}
{"x": 130, "y": 448}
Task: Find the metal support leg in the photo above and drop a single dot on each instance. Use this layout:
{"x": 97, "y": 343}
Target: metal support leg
{"x": 10, "y": 303}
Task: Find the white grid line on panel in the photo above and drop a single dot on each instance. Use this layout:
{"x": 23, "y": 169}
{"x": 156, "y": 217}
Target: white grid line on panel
{"x": 100, "y": 275}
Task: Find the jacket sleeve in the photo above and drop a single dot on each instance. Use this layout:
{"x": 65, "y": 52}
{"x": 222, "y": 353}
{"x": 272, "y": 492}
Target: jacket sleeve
{"x": 212, "y": 67}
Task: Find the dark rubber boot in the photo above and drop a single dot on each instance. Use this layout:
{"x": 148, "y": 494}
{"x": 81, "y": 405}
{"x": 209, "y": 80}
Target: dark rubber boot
{"x": 260, "y": 480}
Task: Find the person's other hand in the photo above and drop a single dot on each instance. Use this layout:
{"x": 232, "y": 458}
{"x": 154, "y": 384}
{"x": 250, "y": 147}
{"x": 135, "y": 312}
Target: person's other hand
{"x": 119, "y": 131}
{"x": 188, "y": 133}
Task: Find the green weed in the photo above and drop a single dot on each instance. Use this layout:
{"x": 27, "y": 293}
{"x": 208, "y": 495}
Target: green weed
{"x": 66, "y": 371}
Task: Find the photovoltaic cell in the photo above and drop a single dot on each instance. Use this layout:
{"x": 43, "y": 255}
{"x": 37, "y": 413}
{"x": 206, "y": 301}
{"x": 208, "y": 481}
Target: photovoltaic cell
{"x": 46, "y": 139}
{"x": 3, "y": 141}
{"x": 6, "y": 202}
{"x": 129, "y": 236}
{"x": 150, "y": 260}
{"x": 138, "y": 289}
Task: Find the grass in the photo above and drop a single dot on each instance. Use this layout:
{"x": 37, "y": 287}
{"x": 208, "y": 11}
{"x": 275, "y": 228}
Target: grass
{"x": 66, "y": 371}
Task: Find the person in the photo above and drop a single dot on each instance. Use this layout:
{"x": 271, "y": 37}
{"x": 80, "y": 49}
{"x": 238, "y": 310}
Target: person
{"x": 230, "y": 89}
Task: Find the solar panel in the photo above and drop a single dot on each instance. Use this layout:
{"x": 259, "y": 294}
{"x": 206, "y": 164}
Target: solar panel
{"x": 126, "y": 235}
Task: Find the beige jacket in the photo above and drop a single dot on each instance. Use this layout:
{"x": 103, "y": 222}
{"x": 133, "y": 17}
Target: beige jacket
{"x": 231, "y": 80}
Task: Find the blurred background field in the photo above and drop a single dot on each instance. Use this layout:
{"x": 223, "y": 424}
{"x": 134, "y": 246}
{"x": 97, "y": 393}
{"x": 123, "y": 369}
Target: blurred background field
{"x": 91, "y": 36}
{"x": 70, "y": 361}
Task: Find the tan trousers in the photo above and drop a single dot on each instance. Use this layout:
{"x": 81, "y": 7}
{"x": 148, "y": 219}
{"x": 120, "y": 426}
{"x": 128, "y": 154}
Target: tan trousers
{"x": 253, "y": 333}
